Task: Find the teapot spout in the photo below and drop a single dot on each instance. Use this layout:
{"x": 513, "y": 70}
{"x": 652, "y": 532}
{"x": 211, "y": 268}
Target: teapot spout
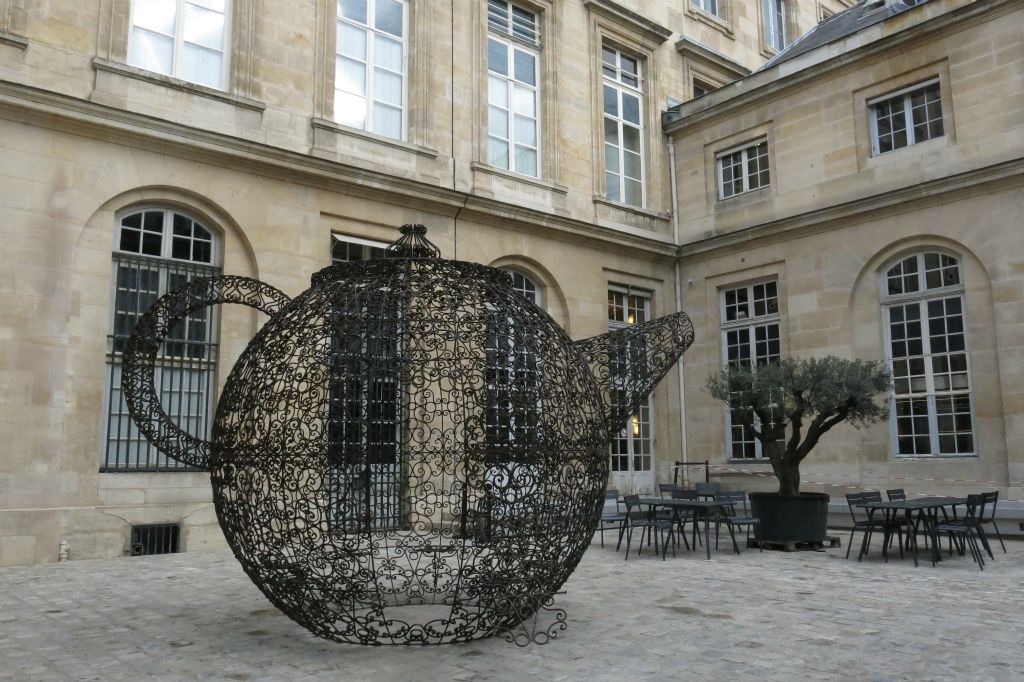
{"x": 628, "y": 363}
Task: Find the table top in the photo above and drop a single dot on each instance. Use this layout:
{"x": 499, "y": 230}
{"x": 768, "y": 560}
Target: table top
{"x": 692, "y": 504}
{"x": 916, "y": 503}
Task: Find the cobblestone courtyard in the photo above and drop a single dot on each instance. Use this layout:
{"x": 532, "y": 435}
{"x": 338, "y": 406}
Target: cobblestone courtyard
{"x": 770, "y": 616}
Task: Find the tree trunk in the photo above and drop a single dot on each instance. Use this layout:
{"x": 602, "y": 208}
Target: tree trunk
{"x": 788, "y": 474}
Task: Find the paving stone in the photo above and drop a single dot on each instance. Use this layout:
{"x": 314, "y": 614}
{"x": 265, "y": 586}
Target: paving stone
{"x": 757, "y": 616}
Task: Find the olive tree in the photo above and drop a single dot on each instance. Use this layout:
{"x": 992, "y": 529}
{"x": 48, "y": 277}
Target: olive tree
{"x": 788, "y": 405}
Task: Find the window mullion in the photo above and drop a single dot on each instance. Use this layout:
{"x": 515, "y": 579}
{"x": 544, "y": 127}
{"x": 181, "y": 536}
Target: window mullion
{"x": 179, "y": 39}
{"x": 908, "y": 121}
{"x": 370, "y": 69}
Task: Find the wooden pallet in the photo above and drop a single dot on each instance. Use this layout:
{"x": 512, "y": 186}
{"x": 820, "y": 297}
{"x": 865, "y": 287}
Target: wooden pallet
{"x": 792, "y": 546}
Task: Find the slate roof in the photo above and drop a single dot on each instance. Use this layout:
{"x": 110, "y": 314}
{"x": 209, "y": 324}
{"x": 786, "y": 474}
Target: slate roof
{"x": 843, "y": 24}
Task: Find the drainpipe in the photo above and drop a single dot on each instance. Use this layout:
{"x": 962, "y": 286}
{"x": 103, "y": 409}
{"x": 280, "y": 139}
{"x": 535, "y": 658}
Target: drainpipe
{"x": 679, "y": 299}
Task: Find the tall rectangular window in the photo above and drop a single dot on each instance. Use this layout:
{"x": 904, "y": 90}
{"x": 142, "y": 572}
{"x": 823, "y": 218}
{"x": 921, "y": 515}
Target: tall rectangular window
{"x": 370, "y": 66}
{"x": 750, "y": 337}
{"x": 743, "y": 169}
{"x": 513, "y": 76}
{"x": 364, "y": 404}
{"x": 907, "y": 117}
{"x": 187, "y": 39}
{"x": 159, "y": 250}
{"x": 622, "y": 97}
{"x": 632, "y": 449}
{"x": 775, "y": 23}
{"x": 924, "y": 312}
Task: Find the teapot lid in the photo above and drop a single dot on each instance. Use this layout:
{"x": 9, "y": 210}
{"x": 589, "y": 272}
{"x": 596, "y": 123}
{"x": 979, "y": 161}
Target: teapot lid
{"x": 413, "y": 244}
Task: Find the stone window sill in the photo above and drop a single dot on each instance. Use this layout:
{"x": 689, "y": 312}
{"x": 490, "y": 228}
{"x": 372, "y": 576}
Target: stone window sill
{"x": 136, "y": 73}
{"x": 13, "y": 39}
{"x": 516, "y": 177}
{"x": 324, "y": 124}
{"x": 646, "y": 212}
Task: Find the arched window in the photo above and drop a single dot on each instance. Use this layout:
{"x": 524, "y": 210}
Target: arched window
{"x": 525, "y": 286}
{"x": 926, "y": 345}
{"x": 157, "y": 250}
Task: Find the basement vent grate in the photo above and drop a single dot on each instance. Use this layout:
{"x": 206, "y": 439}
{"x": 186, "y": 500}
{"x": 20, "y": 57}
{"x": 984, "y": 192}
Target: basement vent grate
{"x": 160, "y": 538}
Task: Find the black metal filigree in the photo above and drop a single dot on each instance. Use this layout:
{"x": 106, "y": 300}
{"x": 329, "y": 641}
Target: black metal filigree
{"x": 409, "y": 452}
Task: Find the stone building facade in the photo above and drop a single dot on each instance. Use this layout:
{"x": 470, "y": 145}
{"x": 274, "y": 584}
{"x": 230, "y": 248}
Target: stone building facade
{"x": 149, "y": 141}
{"x": 861, "y": 195}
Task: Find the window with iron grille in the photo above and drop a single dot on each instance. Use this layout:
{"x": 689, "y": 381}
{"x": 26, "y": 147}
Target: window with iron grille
{"x": 632, "y": 449}
{"x": 743, "y": 169}
{"x": 365, "y": 408}
{"x": 158, "y": 538}
{"x": 158, "y": 250}
{"x": 906, "y": 117}
{"x": 926, "y": 344}
{"x": 750, "y": 337}
{"x": 622, "y": 101}
{"x": 513, "y": 88}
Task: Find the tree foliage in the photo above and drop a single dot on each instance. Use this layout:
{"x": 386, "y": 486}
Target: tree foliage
{"x": 788, "y": 405}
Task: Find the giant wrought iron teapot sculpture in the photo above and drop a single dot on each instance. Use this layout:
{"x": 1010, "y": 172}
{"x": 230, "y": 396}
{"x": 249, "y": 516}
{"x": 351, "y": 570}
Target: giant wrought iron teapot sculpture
{"x": 408, "y": 452}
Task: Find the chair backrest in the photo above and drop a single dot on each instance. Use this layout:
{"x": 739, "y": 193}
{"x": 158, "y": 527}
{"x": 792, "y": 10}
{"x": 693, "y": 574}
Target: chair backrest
{"x": 668, "y": 488}
{"x": 684, "y": 494}
{"x": 990, "y": 500}
{"x": 736, "y": 498}
{"x": 896, "y": 494}
{"x": 708, "y": 488}
{"x": 611, "y": 495}
{"x": 853, "y": 499}
{"x": 975, "y": 508}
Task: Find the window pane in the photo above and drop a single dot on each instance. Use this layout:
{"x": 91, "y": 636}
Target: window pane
{"x": 387, "y": 87}
{"x": 497, "y": 92}
{"x": 498, "y": 152}
{"x": 353, "y": 9}
{"x": 497, "y": 122}
{"x": 524, "y": 101}
{"x": 151, "y": 51}
{"x": 525, "y": 67}
{"x": 611, "y": 131}
{"x": 630, "y": 108}
{"x": 611, "y": 101}
{"x": 202, "y": 66}
{"x": 351, "y": 75}
{"x": 631, "y": 165}
{"x": 387, "y": 54}
{"x": 204, "y": 27}
{"x": 634, "y": 193}
{"x": 156, "y": 15}
{"x": 526, "y": 131}
{"x": 631, "y": 138}
{"x": 497, "y": 57}
{"x": 611, "y": 158}
{"x": 389, "y": 17}
{"x": 612, "y": 186}
{"x": 349, "y": 109}
{"x": 351, "y": 41}
{"x": 387, "y": 121}
{"x": 526, "y": 161}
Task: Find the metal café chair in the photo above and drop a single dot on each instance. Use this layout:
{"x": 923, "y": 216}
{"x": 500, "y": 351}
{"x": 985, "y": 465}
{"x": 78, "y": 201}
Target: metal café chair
{"x": 708, "y": 489}
{"x": 611, "y": 520}
{"x": 662, "y": 529}
{"x": 966, "y": 532}
{"x": 989, "y": 517}
{"x": 733, "y": 518}
{"x": 865, "y": 526}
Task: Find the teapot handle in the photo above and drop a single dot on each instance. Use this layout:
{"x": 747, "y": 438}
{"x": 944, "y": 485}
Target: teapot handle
{"x": 139, "y": 361}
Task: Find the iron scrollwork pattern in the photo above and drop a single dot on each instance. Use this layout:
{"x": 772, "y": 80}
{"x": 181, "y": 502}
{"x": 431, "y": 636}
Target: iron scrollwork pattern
{"x": 137, "y": 379}
{"x": 410, "y": 452}
{"x": 628, "y": 363}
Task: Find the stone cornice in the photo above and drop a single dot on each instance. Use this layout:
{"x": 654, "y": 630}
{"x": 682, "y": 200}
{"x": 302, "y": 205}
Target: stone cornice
{"x": 941, "y": 190}
{"x": 777, "y": 82}
{"x": 687, "y": 47}
{"x": 654, "y": 32}
{"x": 13, "y": 39}
{"x": 69, "y": 114}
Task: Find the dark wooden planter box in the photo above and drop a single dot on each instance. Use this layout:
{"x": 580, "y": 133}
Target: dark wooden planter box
{"x": 784, "y": 519}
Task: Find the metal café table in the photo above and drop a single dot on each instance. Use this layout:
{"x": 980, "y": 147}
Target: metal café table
{"x": 705, "y": 507}
{"x": 927, "y": 509}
